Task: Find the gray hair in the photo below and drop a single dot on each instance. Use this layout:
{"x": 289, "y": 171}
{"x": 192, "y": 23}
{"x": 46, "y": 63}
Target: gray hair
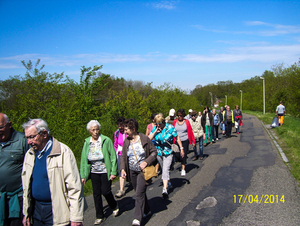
{"x": 38, "y": 123}
{"x": 221, "y": 108}
{"x": 6, "y": 118}
{"x": 92, "y": 123}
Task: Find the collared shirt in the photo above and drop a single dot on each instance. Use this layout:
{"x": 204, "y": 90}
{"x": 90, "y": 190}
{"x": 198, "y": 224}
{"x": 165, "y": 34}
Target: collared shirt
{"x": 45, "y": 149}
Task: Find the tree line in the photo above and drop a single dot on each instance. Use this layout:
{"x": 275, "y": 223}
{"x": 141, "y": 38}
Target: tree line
{"x": 68, "y": 105}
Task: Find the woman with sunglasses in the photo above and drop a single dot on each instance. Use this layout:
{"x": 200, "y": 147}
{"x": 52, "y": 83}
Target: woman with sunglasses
{"x": 163, "y": 134}
{"x": 186, "y": 135}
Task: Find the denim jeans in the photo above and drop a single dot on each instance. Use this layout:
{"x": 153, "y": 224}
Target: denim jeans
{"x": 199, "y": 146}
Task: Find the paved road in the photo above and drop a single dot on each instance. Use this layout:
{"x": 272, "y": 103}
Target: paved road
{"x": 223, "y": 189}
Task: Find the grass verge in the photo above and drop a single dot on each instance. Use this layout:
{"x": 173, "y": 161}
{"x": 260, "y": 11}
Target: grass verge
{"x": 288, "y": 138}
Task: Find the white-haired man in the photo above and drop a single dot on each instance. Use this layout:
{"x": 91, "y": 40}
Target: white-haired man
{"x": 52, "y": 188}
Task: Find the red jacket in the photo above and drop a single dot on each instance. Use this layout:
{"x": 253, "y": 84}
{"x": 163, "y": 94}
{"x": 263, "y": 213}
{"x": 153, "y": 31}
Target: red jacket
{"x": 189, "y": 131}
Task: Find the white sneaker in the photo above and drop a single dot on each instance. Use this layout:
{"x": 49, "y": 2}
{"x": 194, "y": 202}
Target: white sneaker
{"x": 136, "y": 222}
{"x": 116, "y": 212}
{"x": 183, "y": 173}
{"x": 217, "y": 138}
{"x": 99, "y": 221}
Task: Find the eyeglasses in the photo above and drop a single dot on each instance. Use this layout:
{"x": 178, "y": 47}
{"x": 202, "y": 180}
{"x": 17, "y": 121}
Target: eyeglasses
{"x": 180, "y": 115}
{"x": 32, "y": 137}
{"x": 2, "y": 127}
{"x": 159, "y": 123}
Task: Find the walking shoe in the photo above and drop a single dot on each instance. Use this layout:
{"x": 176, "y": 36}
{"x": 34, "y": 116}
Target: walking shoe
{"x": 165, "y": 193}
{"x": 99, "y": 221}
{"x": 116, "y": 211}
{"x": 195, "y": 158}
{"x": 201, "y": 158}
{"x": 217, "y": 138}
{"x": 120, "y": 194}
{"x": 148, "y": 214}
{"x": 136, "y": 222}
{"x": 183, "y": 173}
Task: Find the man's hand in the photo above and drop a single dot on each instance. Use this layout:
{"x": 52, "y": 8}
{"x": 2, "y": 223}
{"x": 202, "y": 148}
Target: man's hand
{"x": 76, "y": 223}
{"x": 83, "y": 181}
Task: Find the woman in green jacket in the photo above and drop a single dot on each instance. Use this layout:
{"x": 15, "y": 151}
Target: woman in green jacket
{"x": 99, "y": 163}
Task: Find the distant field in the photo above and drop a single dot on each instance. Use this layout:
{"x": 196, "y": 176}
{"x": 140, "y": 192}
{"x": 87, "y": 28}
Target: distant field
{"x": 288, "y": 138}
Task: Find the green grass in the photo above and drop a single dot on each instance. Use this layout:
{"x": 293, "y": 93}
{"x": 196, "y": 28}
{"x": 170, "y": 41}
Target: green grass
{"x": 288, "y": 138}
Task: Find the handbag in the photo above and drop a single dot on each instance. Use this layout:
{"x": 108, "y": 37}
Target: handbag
{"x": 174, "y": 147}
{"x": 149, "y": 171}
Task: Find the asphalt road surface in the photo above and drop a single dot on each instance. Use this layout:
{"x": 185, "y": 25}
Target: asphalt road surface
{"x": 242, "y": 181}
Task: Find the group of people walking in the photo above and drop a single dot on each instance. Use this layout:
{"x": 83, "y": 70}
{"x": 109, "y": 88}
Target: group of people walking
{"x": 52, "y": 184}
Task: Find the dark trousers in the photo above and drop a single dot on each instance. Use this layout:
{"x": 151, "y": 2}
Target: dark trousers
{"x": 228, "y": 128}
{"x": 102, "y": 186}
{"x": 42, "y": 214}
{"x": 141, "y": 201}
{"x": 216, "y": 130}
{"x": 185, "y": 145}
{"x": 13, "y": 221}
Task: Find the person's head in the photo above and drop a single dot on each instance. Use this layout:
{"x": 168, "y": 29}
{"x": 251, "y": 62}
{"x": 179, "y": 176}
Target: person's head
{"x": 131, "y": 127}
{"x": 190, "y": 111}
{"x": 5, "y": 128}
{"x": 172, "y": 112}
{"x": 194, "y": 115}
{"x": 214, "y": 111}
{"x": 160, "y": 121}
{"x": 120, "y": 123}
{"x": 228, "y": 108}
{"x": 37, "y": 133}
{"x": 153, "y": 116}
{"x": 221, "y": 109}
{"x": 281, "y": 102}
{"x": 180, "y": 114}
{"x": 236, "y": 107}
{"x": 199, "y": 113}
{"x": 206, "y": 109}
{"x": 94, "y": 127}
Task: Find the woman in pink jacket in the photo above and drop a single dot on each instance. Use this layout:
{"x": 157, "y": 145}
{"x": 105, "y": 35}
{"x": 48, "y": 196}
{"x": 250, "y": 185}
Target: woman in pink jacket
{"x": 186, "y": 135}
{"x": 119, "y": 138}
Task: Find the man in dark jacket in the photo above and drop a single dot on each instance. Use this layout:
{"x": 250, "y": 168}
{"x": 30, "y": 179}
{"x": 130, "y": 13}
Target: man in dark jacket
{"x": 12, "y": 151}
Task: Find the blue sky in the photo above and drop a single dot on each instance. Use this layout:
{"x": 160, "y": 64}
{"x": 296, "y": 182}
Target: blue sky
{"x": 184, "y": 43}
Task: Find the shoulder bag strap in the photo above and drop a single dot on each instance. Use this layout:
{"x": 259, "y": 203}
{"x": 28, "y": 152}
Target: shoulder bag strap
{"x": 134, "y": 153}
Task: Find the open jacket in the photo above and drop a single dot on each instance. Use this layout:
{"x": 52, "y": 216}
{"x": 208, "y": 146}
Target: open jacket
{"x": 64, "y": 182}
{"x": 150, "y": 153}
{"x": 189, "y": 131}
{"x": 109, "y": 154}
{"x": 198, "y": 127}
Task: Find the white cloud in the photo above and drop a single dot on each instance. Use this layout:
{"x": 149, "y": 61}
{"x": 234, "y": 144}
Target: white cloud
{"x": 164, "y": 5}
{"x": 268, "y": 29}
{"x": 254, "y": 53}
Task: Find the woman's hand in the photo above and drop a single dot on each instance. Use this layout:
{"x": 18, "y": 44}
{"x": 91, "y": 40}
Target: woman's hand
{"x": 143, "y": 165}
{"x": 123, "y": 174}
{"x": 112, "y": 177}
{"x": 182, "y": 153}
{"x": 83, "y": 181}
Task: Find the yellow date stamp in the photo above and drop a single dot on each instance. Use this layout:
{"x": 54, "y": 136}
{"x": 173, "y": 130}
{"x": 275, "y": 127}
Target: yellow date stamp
{"x": 242, "y": 199}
